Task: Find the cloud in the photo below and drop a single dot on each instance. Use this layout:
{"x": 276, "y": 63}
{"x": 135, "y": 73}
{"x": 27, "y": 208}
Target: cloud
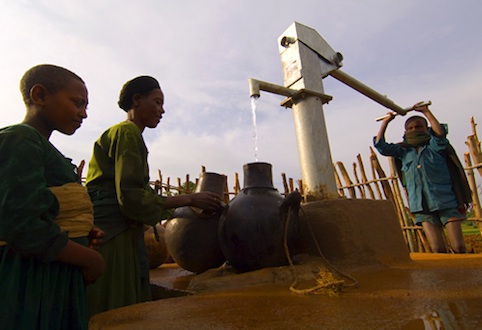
{"x": 204, "y": 52}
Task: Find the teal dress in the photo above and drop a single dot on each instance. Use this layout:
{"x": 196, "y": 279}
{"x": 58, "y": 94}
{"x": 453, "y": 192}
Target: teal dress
{"x": 36, "y": 292}
{"x": 118, "y": 183}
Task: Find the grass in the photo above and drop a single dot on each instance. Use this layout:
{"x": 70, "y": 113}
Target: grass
{"x": 470, "y": 228}
{"x": 472, "y": 236}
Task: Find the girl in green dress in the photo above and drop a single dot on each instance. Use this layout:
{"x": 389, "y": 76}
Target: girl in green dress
{"x": 118, "y": 183}
{"x": 46, "y": 257}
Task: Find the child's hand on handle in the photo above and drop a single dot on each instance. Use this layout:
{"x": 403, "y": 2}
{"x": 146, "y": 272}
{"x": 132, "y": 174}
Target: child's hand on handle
{"x": 422, "y": 106}
{"x": 389, "y": 117}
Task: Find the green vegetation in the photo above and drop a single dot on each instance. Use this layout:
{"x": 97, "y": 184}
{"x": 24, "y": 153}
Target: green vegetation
{"x": 470, "y": 228}
{"x": 472, "y": 236}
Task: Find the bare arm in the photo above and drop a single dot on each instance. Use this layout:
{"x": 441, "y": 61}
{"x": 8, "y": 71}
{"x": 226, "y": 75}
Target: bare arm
{"x": 434, "y": 123}
{"x": 383, "y": 127}
{"x": 203, "y": 200}
{"x": 90, "y": 261}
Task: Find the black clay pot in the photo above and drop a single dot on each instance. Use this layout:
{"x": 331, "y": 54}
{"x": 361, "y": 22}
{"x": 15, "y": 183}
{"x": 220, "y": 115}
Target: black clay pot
{"x": 192, "y": 236}
{"x": 252, "y": 229}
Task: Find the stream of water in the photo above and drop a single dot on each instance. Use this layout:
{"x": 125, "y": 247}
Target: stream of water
{"x": 254, "y": 100}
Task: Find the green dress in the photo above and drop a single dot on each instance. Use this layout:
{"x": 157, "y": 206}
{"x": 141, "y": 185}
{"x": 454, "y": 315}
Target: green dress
{"x": 36, "y": 292}
{"x": 118, "y": 184}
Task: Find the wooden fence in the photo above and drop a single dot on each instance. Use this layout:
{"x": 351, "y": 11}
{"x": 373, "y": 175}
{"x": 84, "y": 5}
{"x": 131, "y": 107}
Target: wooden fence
{"x": 382, "y": 186}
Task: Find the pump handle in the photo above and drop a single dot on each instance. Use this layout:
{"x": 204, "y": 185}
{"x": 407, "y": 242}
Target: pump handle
{"x": 418, "y": 105}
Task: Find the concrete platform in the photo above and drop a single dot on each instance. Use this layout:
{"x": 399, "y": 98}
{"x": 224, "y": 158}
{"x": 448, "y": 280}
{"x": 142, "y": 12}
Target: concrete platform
{"x": 429, "y": 291}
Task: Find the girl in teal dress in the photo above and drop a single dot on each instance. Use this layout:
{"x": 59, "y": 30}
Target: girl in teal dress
{"x": 118, "y": 183}
{"x": 46, "y": 257}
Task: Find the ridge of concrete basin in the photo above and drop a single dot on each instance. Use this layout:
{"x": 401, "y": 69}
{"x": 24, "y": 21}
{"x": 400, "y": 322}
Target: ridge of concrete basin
{"x": 443, "y": 290}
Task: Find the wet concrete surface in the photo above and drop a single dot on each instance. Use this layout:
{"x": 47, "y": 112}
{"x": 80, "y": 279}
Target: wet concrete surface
{"x": 430, "y": 291}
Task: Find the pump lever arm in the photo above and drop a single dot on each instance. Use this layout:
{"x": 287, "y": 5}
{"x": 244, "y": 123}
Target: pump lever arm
{"x": 367, "y": 91}
{"x": 421, "y": 104}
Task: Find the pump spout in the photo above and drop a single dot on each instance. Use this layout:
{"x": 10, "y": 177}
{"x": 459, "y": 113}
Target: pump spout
{"x": 256, "y": 86}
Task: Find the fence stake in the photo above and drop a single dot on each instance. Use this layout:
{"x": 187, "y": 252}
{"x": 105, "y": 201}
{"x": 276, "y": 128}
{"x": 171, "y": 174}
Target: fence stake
{"x": 473, "y": 187}
{"x": 364, "y": 176}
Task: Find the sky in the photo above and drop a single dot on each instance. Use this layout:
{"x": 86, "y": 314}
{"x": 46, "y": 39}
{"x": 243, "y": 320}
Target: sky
{"x": 204, "y": 52}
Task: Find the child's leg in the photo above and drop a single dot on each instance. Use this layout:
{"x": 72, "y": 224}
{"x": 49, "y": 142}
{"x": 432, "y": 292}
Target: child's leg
{"x": 456, "y": 238}
{"x": 452, "y": 218}
{"x": 435, "y": 237}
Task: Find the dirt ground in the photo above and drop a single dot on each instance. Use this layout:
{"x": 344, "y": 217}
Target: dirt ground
{"x": 474, "y": 243}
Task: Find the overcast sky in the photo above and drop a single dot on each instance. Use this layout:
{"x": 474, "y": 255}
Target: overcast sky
{"x": 204, "y": 52}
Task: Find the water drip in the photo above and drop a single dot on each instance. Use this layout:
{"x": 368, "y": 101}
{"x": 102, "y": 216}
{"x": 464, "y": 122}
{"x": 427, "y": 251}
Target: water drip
{"x": 254, "y": 100}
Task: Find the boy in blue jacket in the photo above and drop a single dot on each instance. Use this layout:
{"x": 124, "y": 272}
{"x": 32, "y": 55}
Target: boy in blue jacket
{"x": 428, "y": 181}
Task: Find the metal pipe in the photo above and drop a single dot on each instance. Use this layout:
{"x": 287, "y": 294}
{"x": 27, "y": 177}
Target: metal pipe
{"x": 255, "y": 86}
{"x": 316, "y": 164}
{"x": 413, "y": 107}
{"x": 367, "y": 91}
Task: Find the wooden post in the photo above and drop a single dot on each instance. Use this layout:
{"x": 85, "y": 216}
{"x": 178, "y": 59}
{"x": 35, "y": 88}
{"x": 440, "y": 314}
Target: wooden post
{"x": 474, "y": 146}
{"x": 341, "y": 191}
{"x": 80, "y": 169}
{"x": 157, "y": 187}
{"x": 364, "y": 177}
{"x": 237, "y": 187}
{"x": 347, "y": 179}
{"x": 168, "y": 187}
{"x": 179, "y": 186}
{"x": 285, "y": 184}
{"x": 160, "y": 181}
{"x": 226, "y": 190}
{"x": 473, "y": 188}
{"x": 379, "y": 193}
{"x": 404, "y": 219}
{"x": 291, "y": 184}
{"x": 381, "y": 174}
{"x": 188, "y": 186}
{"x": 361, "y": 189}
{"x": 300, "y": 186}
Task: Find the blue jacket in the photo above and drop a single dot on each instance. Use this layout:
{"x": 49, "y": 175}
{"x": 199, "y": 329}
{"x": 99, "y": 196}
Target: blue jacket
{"x": 426, "y": 173}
